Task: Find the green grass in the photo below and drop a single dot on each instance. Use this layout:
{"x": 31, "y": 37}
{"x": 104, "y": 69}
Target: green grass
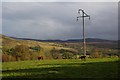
{"x": 71, "y": 68}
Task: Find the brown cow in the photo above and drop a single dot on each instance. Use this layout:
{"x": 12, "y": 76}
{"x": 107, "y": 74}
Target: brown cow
{"x": 40, "y": 58}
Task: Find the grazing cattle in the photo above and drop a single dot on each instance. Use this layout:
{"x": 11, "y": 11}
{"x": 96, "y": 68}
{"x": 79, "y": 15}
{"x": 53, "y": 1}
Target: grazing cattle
{"x": 40, "y": 58}
{"x": 83, "y": 57}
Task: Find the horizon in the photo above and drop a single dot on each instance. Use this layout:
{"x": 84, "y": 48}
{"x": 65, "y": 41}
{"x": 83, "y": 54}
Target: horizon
{"x": 57, "y": 39}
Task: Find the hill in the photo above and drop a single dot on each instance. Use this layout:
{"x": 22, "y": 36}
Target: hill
{"x": 56, "y": 48}
{"x": 102, "y": 43}
{"x": 9, "y": 44}
{"x": 12, "y": 41}
{"x": 69, "y": 40}
{"x": 90, "y": 40}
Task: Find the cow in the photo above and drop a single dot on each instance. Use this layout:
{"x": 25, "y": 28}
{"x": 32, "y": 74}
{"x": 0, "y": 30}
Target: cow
{"x": 40, "y": 58}
{"x": 83, "y": 57}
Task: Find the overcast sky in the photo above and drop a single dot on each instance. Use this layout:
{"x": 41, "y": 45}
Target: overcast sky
{"x": 50, "y": 20}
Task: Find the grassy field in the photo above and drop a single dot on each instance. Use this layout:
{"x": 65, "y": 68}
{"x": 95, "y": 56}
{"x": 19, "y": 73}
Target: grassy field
{"x": 70, "y": 68}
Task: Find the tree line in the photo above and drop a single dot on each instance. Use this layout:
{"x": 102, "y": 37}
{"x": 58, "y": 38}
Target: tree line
{"x": 23, "y": 52}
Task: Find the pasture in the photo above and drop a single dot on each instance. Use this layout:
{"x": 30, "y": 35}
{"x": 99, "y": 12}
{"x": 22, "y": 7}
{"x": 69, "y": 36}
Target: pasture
{"x": 62, "y": 68}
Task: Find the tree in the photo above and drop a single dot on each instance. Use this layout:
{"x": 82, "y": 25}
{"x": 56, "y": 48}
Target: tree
{"x": 67, "y": 55}
{"x": 5, "y": 58}
{"x": 37, "y": 48}
{"x": 55, "y": 53}
{"x": 95, "y": 53}
{"x": 6, "y": 50}
{"x": 21, "y": 51}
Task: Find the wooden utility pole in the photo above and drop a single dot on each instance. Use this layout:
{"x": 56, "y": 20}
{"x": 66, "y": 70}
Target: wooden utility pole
{"x": 83, "y": 15}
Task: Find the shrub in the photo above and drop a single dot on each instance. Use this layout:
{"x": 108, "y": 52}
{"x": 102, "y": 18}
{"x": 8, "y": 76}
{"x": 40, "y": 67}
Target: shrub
{"x": 21, "y": 52}
{"x": 5, "y": 58}
{"x": 67, "y": 55}
{"x": 37, "y": 48}
{"x": 95, "y": 53}
{"x": 55, "y": 54}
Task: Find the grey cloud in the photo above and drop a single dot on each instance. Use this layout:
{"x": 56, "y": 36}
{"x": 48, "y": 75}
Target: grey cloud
{"x": 58, "y": 20}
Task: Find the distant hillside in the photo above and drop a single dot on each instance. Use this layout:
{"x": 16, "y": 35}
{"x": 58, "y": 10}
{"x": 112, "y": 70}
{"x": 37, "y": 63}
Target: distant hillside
{"x": 101, "y": 43}
{"x": 52, "y": 49}
{"x": 10, "y": 42}
{"x": 7, "y": 41}
{"x": 90, "y": 40}
{"x": 70, "y": 40}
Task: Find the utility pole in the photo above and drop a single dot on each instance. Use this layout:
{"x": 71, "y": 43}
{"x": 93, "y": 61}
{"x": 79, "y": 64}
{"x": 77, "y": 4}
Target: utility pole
{"x": 83, "y": 15}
